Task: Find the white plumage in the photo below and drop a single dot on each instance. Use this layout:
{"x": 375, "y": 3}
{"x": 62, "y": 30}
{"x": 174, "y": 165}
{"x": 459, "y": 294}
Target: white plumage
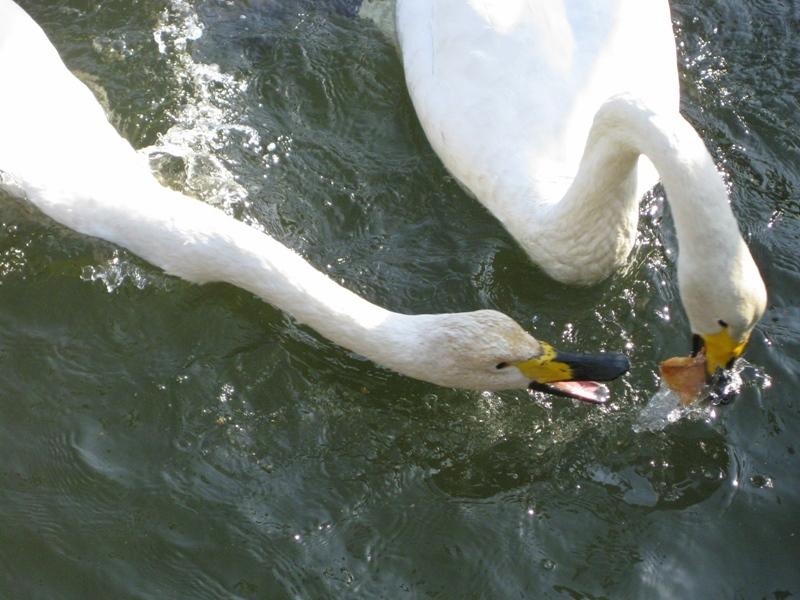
{"x": 58, "y": 150}
{"x": 553, "y": 113}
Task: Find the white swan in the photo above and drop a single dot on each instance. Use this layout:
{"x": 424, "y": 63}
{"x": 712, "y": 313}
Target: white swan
{"x": 58, "y": 150}
{"x": 543, "y": 110}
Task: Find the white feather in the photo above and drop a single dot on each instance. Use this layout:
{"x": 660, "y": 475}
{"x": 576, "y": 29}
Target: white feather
{"x": 58, "y": 150}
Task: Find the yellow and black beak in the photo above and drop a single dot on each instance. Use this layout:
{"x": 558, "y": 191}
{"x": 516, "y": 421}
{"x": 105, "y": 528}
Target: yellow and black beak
{"x": 573, "y": 375}
{"x": 721, "y": 350}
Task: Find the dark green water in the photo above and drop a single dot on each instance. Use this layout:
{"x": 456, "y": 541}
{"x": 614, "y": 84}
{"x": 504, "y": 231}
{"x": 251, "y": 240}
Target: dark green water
{"x": 164, "y": 440}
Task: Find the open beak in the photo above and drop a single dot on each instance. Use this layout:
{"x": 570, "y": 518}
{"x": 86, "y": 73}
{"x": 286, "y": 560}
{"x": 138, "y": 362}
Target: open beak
{"x": 574, "y": 375}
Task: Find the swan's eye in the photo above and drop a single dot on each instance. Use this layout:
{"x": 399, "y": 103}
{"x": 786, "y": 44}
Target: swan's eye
{"x": 722, "y": 324}
{"x": 501, "y": 365}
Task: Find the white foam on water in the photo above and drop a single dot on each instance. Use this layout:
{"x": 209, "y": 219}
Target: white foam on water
{"x": 190, "y": 149}
{"x": 207, "y": 118}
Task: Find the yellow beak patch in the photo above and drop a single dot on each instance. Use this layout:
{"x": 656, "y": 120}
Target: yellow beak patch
{"x": 545, "y": 368}
{"x": 721, "y": 349}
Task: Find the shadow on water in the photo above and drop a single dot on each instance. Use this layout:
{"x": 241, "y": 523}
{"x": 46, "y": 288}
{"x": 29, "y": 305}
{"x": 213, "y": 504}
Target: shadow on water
{"x": 662, "y": 472}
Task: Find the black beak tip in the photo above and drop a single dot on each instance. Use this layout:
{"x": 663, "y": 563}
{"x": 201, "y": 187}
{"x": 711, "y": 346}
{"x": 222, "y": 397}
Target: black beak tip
{"x": 605, "y": 366}
{"x": 618, "y": 364}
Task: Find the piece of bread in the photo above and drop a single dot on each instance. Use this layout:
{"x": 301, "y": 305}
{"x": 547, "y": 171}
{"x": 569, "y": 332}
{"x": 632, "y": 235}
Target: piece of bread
{"x": 685, "y": 375}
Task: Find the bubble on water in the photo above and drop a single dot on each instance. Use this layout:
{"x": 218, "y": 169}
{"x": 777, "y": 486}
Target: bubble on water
{"x": 548, "y": 565}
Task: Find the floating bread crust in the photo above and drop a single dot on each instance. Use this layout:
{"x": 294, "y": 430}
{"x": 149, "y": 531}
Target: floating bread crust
{"x": 685, "y": 375}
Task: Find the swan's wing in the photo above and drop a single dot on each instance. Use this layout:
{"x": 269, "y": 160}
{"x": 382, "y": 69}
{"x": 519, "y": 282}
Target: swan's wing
{"x": 511, "y": 86}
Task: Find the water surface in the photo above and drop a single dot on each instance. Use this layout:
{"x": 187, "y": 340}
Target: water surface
{"x": 165, "y": 440}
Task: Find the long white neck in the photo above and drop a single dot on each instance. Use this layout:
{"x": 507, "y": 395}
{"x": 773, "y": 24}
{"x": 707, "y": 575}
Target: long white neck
{"x": 200, "y": 243}
{"x": 590, "y": 232}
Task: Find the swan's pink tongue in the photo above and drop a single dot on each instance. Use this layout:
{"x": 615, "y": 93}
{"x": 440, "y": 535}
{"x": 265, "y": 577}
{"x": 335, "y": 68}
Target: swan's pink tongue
{"x": 588, "y": 391}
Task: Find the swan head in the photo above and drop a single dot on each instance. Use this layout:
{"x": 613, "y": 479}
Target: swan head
{"x": 488, "y": 350}
{"x": 724, "y": 298}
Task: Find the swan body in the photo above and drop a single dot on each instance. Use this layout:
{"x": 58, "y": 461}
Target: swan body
{"x": 557, "y": 115}
{"x": 58, "y": 150}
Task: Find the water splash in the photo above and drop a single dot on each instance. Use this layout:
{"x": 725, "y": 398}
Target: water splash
{"x": 114, "y": 273}
{"x": 665, "y": 408}
{"x": 207, "y": 121}
{"x": 191, "y": 153}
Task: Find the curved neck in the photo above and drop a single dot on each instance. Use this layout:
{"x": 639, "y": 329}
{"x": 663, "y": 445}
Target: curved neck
{"x": 197, "y": 242}
{"x": 595, "y": 223}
